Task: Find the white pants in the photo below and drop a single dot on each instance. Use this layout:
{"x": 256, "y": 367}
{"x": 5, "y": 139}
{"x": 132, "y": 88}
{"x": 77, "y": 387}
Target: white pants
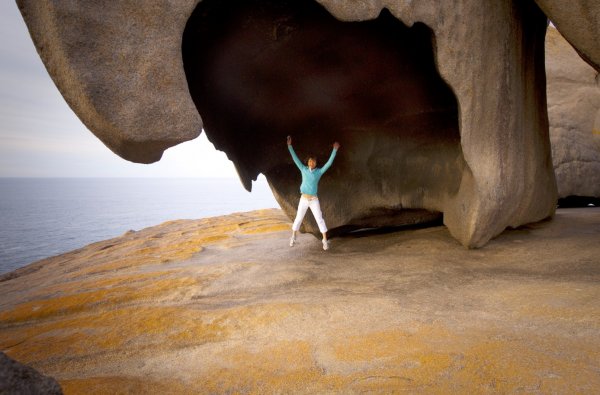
{"x": 315, "y": 207}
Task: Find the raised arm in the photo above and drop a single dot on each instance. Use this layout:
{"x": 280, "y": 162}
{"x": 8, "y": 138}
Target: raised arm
{"x": 293, "y": 153}
{"x": 327, "y": 165}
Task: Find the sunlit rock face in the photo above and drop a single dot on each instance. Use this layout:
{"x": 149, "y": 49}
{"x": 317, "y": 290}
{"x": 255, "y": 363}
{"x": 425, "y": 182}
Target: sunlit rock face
{"x": 440, "y": 107}
{"x": 259, "y": 71}
{"x": 574, "y": 112}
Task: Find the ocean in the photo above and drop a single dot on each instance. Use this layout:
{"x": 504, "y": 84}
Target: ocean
{"x": 42, "y": 217}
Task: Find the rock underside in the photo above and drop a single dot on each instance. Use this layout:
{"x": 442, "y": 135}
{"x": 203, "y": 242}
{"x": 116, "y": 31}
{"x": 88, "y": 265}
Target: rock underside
{"x": 579, "y": 22}
{"x": 223, "y": 305}
{"x": 439, "y": 106}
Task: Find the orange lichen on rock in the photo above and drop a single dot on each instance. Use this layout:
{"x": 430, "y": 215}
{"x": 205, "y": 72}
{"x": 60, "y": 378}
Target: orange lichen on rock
{"x": 285, "y": 365}
{"x": 396, "y": 360}
{"x": 176, "y": 240}
{"x": 124, "y": 385}
{"x": 409, "y": 311}
{"x": 128, "y": 329}
{"x": 89, "y": 300}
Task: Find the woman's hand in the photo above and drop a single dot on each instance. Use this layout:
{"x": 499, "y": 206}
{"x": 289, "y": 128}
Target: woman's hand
{"x": 336, "y": 145}
{"x": 289, "y": 140}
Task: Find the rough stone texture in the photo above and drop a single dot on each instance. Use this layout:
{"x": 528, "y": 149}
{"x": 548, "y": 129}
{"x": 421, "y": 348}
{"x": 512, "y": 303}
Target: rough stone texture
{"x": 118, "y": 65}
{"x": 223, "y": 305}
{"x": 372, "y": 85}
{"x": 400, "y": 140}
{"x": 16, "y": 378}
{"x": 574, "y": 114}
{"x": 472, "y": 144}
{"x": 579, "y": 22}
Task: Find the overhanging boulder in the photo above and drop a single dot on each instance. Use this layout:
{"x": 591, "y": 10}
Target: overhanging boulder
{"x": 443, "y": 107}
{"x": 579, "y": 22}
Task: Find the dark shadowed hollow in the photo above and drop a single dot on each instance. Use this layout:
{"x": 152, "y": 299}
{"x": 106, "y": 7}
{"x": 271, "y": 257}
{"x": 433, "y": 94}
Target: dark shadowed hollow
{"x": 261, "y": 70}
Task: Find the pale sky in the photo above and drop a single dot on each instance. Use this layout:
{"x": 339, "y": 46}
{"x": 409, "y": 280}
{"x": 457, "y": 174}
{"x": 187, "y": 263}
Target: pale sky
{"x": 41, "y": 137}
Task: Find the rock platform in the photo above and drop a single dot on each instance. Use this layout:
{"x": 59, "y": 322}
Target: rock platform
{"x": 224, "y": 305}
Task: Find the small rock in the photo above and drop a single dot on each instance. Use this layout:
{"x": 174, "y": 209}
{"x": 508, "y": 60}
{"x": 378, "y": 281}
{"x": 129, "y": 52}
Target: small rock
{"x": 16, "y": 378}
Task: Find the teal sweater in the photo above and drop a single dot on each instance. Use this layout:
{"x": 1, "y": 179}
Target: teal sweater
{"x": 310, "y": 179}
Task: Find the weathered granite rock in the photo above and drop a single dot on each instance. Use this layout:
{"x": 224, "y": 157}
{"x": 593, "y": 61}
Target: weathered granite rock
{"x": 374, "y": 86}
{"x": 470, "y": 143}
{"x": 118, "y": 65}
{"x": 222, "y": 305}
{"x": 16, "y": 378}
{"x": 579, "y": 22}
{"x": 574, "y": 113}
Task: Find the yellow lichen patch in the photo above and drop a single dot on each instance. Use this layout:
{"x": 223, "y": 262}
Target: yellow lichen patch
{"x": 38, "y": 309}
{"x": 175, "y": 245}
{"x": 266, "y": 228}
{"x": 388, "y": 344}
{"x": 124, "y": 385}
{"x": 497, "y": 365}
{"x": 395, "y": 359}
{"x": 505, "y": 366}
{"x": 375, "y": 345}
{"x": 88, "y": 300}
{"x": 113, "y": 332}
{"x": 214, "y": 229}
{"x": 148, "y": 256}
{"x": 257, "y": 317}
{"x": 284, "y": 367}
{"x": 291, "y": 367}
{"x": 211, "y": 239}
{"x": 97, "y": 282}
{"x": 136, "y": 328}
{"x": 175, "y": 241}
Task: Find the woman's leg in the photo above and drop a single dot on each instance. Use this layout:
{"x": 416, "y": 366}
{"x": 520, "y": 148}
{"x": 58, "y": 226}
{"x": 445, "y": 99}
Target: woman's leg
{"x": 302, "y": 207}
{"x": 315, "y": 207}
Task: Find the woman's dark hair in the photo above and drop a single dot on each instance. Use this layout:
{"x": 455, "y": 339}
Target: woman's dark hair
{"x": 311, "y": 157}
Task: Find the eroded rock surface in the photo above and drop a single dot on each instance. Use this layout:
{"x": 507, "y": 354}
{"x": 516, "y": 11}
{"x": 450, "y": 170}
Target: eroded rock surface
{"x": 470, "y": 143}
{"x": 269, "y": 69}
{"x": 579, "y": 22}
{"x": 223, "y": 305}
{"x": 574, "y": 113}
{"x": 118, "y": 65}
{"x": 259, "y": 71}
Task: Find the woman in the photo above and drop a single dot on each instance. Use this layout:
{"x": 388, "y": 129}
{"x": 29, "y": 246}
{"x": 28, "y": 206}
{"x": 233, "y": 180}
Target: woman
{"x": 310, "y": 182}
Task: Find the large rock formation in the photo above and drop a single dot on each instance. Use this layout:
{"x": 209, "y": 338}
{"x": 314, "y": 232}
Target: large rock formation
{"x": 119, "y": 66}
{"x": 471, "y": 142}
{"x": 221, "y": 306}
{"x": 574, "y": 112}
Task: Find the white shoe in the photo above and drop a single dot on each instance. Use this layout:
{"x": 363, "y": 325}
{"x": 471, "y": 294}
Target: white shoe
{"x": 292, "y": 241}
{"x": 325, "y": 245}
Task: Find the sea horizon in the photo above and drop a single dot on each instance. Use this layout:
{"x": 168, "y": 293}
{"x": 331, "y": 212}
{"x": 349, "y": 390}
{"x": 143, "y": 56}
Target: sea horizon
{"x": 48, "y": 216}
